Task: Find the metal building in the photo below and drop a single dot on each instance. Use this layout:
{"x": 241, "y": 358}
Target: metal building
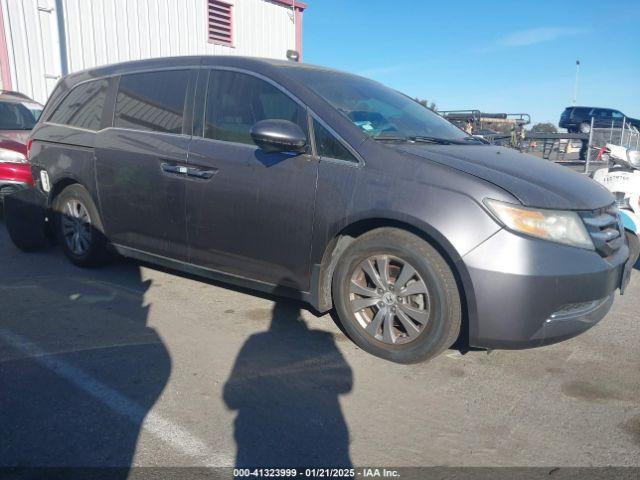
{"x": 40, "y": 40}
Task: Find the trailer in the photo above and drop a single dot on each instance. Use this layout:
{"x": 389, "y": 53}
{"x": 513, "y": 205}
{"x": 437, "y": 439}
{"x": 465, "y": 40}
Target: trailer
{"x": 483, "y": 120}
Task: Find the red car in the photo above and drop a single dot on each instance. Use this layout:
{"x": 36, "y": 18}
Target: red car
{"x": 18, "y": 115}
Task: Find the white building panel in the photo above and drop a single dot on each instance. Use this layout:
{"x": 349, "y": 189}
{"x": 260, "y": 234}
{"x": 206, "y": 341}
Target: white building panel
{"x": 46, "y": 38}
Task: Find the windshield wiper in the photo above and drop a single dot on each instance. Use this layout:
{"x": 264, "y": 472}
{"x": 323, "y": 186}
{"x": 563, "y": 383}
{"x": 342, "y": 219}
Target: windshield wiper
{"x": 391, "y": 137}
{"x": 475, "y": 139}
{"x": 426, "y": 139}
{"x": 417, "y": 139}
{"x": 410, "y": 138}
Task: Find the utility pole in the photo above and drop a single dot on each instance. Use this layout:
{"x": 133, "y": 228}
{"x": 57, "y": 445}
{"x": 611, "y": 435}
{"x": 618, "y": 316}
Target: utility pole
{"x": 575, "y": 87}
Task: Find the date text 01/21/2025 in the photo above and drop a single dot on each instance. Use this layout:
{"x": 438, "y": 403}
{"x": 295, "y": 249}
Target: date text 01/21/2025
{"x": 316, "y": 473}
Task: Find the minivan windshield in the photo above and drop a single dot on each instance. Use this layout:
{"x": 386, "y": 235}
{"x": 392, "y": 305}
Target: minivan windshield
{"x": 19, "y": 116}
{"x": 379, "y": 111}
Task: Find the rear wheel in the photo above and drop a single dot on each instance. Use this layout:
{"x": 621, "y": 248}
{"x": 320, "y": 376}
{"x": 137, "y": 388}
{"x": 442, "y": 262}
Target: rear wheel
{"x": 79, "y": 228}
{"x": 584, "y": 127}
{"x": 396, "y": 297}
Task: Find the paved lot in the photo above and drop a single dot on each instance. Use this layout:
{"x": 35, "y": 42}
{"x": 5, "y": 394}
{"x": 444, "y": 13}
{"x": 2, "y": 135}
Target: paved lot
{"x": 132, "y": 365}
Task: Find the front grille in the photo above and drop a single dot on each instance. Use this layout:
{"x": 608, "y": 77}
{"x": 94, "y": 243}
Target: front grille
{"x": 605, "y": 228}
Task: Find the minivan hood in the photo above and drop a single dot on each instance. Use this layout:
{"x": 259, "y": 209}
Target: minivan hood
{"x": 534, "y": 181}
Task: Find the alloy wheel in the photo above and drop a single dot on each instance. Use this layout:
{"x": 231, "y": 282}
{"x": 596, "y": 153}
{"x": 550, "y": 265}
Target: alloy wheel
{"x": 76, "y": 227}
{"x": 389, "y": 299}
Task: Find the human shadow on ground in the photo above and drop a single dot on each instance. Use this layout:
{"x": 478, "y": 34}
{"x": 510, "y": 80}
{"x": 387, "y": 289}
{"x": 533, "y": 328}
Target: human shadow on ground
{"x": 285, "y": 386}
{"x": 80, "y": 368}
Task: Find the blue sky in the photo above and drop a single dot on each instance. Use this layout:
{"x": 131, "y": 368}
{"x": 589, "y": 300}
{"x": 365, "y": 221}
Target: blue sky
{"x": 496, "y": 56}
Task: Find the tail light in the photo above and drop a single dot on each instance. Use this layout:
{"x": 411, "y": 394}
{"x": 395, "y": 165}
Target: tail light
{"x": 29, "y": 143}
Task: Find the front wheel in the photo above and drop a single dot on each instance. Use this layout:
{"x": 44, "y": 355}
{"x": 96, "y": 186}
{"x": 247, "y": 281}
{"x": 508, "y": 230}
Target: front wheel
{"x": 396, "y": 296}
{"x": 78, "y": 227}
{"x": 584, "y": 127}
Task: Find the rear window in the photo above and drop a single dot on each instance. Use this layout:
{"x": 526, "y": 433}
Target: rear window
{"x": 83, "y": 106}
{"x": 17, "y": 116}
{"x": 152, "y": 101}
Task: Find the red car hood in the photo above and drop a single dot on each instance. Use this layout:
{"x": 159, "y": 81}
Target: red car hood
{"x": 18, "y": 136}
{"x": 14, "y": 140}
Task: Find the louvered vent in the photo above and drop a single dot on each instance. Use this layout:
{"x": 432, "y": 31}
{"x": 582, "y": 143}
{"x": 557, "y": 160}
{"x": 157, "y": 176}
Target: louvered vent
{"x": 220, "y": 22}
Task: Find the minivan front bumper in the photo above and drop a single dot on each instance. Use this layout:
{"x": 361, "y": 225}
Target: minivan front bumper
{"x": 531, "y": 292}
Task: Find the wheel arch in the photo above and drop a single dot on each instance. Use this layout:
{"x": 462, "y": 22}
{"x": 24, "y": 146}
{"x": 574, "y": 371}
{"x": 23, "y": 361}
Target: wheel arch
{"x": 59, "y": 185}
{"x": 322, "y": 274}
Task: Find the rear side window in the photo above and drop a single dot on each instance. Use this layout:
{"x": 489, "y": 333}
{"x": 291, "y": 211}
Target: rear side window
{"x": 329, "y": 146}
{"x": 152, "y": 101}
{"x": 580, "y": 112}
{"x": 236, "y": 101}
{"x": 83, "y": 106}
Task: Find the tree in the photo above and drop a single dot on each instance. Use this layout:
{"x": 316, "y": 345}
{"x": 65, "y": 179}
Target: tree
{"x": 545, "y": 127}
{"x": 425, "y": 104}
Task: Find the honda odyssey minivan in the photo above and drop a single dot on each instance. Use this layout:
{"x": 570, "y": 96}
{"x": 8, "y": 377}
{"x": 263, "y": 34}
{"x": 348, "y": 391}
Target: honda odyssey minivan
{"x": 331, "y": 188}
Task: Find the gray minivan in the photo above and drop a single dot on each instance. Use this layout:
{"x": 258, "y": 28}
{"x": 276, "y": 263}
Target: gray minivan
{"x": 331, "y": 188}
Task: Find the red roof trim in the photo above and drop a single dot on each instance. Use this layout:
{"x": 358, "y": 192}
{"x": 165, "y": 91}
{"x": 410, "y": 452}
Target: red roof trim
{"x": 5, "y": 74}
{"x": 289, "y": 3}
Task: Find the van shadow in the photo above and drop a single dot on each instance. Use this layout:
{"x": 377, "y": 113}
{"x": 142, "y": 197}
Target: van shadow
{"x": 80, "y": 368}
{"x": 285, "y": 386}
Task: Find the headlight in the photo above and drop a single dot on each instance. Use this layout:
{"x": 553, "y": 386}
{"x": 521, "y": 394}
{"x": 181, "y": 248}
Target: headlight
{"x": 561, "y": 226}
{"x": 11, "y": 156}
{"x": 634, "y": 157}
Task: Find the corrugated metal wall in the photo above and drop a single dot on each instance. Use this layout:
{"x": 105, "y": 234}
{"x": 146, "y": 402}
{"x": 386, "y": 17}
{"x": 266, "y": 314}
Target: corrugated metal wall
{"x": 32, "y": 46}
{"x": 99, "y": 32}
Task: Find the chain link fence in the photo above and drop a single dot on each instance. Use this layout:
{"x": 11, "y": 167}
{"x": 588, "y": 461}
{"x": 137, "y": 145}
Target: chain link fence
{"x": 624, "y": 134}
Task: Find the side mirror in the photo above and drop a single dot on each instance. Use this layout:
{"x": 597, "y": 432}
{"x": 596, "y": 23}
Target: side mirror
{"x": 279, "y": 136}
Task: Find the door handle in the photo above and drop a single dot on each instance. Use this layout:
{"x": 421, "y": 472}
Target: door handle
{"x": 177, "y": 169}
{"x": 200, "y": 173}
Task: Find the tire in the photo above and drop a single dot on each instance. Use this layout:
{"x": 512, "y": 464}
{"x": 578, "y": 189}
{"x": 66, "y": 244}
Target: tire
{"x": 434, "y": 317}
{"x": 75, "y": 212}
{"x": 584, "y": 127}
